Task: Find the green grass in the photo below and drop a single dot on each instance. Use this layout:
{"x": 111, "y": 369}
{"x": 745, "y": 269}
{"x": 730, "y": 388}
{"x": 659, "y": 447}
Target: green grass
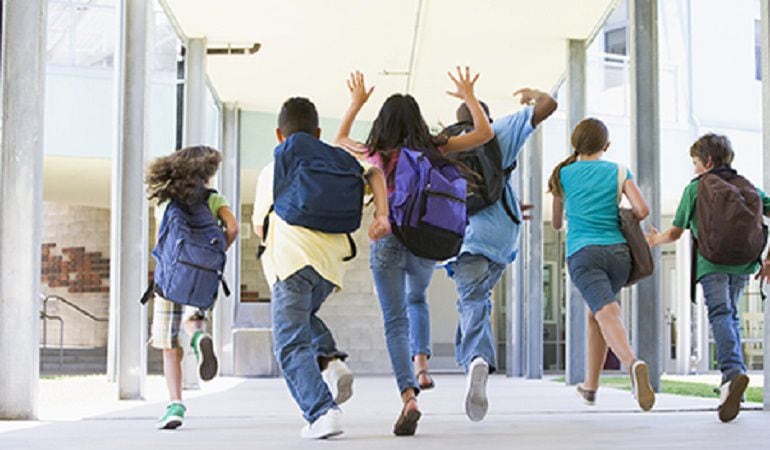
{"x": 687, "y": 388}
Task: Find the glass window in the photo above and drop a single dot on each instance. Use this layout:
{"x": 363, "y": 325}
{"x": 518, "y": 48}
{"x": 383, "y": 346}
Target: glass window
{"x": 615, "y": 41}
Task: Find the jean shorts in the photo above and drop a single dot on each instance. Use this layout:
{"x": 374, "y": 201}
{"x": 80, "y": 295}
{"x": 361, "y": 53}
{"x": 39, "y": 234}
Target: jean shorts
{"x": 600, "y": 272}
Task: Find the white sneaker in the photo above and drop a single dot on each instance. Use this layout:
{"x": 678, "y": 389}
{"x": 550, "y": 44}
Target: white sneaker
{"x": 730, "y": 395}
{"x": 326, "y": 426}
{"x": 476, "y": 403}
{"x": 339, "y": 379}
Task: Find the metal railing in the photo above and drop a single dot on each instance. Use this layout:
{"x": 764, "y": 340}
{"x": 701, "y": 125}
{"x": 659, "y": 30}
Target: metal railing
{"x": 45, "y": 317}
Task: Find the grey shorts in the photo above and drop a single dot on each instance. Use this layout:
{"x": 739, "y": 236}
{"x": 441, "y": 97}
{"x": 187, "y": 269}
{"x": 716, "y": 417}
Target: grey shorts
{"x": 600, "y": 272}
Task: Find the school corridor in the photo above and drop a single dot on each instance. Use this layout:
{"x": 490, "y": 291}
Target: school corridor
{"x": 93, "y": 90}
{"x": 236, "y": 414}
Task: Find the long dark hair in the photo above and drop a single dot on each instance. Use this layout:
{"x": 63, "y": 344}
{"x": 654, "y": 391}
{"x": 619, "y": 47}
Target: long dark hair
{"x": 182, "y": 175}
{"x": 588, "y": 137}
{"x": 400, "y": 124}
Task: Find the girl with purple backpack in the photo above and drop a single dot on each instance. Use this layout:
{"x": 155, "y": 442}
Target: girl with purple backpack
{"x": 401, "y": 277}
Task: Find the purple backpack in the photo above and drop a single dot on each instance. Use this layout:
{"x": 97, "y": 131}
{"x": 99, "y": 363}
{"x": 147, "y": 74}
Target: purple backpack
{"x": 427, "y": 207}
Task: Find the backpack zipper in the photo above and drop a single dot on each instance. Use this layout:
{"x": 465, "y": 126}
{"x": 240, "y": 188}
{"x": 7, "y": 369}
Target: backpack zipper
{"x": 428, "y": 191}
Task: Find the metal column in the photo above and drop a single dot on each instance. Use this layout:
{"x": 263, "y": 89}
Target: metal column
{"x": 194, "y": 134}
{"x": 21, "y": 182}
{"x": 645, "y": 144}
{"x": 535, "y": 258}
{"x": 765, "y": 17}
{"x": 514, "y": 297}
{"x": 129, "y": 229}
{"x": 576, "y": 310}
{"x": 224, "y": 312}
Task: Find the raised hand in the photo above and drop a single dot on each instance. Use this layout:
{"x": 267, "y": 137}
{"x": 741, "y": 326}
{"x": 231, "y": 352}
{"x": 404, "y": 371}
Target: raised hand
{"x": 527, "y": 95}
{"x": 357, "y": 87}
{"x": 463, "y": 83}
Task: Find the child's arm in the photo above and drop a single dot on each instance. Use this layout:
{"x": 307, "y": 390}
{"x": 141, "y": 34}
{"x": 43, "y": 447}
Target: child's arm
{"x": 557, "y": 213}
{"x": 545, "y": 104}
{"x": 381, "y": 225}
{"x": 358, "y": 97}
{"x": 654, "y": 237}
{"x": 482, "y": 130}
{"x": 227, "y": 217}
{"x": 638, "y": 204}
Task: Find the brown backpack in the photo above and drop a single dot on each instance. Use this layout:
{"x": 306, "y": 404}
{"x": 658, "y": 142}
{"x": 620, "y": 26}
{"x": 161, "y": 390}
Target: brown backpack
{"x": 642, "y": 265}
{"x": 729, "y": 211}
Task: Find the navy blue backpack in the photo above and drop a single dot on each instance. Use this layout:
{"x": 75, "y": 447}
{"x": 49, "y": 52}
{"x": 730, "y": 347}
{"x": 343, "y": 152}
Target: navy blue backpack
{"x": 427, "y": 208}
{"x": 190, "y": 256}
{"x": 317, "y": 186}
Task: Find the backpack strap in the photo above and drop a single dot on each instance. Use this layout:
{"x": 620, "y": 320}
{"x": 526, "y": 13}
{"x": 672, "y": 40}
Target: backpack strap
{"x": 265, "y": 224}
{"x": 148, "y": 293}
{"x": 353, "y": 248}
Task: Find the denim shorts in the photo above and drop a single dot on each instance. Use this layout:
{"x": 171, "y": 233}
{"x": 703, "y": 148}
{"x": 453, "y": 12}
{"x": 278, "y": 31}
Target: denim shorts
{"x": 600, "y": 272}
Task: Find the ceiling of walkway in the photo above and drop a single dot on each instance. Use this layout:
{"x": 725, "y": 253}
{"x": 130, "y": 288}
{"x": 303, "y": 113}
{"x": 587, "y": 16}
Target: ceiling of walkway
{"x": 309, "y": 46}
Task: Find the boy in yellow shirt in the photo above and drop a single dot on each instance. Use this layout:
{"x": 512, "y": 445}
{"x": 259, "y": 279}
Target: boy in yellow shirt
{"x": 303, "y": 266}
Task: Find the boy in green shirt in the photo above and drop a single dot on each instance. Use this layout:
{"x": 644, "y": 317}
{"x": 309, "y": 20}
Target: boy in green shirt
{"x": 722, "y": 285}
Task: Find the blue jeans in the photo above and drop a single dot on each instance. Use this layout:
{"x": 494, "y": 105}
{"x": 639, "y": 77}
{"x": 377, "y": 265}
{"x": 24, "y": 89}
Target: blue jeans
{"x": 402, "y": 280}
{"x": 475, "y": 276}
{"x": 722, "y": 293}
{"x": 301, "y": 338}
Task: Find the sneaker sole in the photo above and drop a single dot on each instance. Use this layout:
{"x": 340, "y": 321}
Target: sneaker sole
{"x": 476, "y": 403}
{"x": 324, "y": 436}
{"x": 732, "y": 406}
{"x": 208, "y": 365}
{"x": 344, "y": 388}
{"x": 645, "y": 396}
{"x": 172, "y": 423}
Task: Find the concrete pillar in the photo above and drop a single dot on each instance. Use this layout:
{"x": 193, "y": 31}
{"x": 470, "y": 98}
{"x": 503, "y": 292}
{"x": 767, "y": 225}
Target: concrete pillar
{"x": 194, "y": 134}
{"x": 765, "y": 18}
{"x": 576, "y": 325}
{"x": 645, "y": 145}
{"x": 129, "y": 234}
{"x": 21, "y": 184}
{"x": 224, "y": 312}
{"x": 535, "y": 258}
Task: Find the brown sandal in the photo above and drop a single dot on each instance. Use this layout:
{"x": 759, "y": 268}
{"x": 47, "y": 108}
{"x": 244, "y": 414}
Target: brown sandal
{"x": 406, "y": 424}
{"x": 425, "y": 386}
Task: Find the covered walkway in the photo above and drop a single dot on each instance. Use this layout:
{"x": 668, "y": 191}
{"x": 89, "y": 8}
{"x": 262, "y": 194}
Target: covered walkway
{"x": 252, "y": 413}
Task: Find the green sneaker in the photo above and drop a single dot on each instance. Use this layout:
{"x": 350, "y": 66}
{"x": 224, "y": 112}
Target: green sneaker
{"x": 203, "y": 347}
{"x": 173, "y": 418}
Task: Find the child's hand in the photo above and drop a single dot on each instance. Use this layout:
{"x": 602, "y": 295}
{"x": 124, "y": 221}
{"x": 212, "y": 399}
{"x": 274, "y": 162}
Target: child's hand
{"x": 380, "y": 227}
{"x": 652, "y": 236}
{"x": 463, "y": 84}
{"x": 764, "y": 273}
{"x": 358, "y": 93}
{"x": 527, "y": 95}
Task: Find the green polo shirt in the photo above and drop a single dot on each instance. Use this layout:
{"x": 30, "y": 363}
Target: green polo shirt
{"x": 687, "y": 219}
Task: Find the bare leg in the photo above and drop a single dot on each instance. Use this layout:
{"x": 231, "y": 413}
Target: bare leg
{"x": 172, "y": 370}
{"x": 421, "y": 368}
{"x": 597, "y": 353}
{"x": 192, "y": 325}
{"x": 611, "y": 324}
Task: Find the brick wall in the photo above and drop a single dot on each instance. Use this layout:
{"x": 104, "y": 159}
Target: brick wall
{"x": 75, "y": 265}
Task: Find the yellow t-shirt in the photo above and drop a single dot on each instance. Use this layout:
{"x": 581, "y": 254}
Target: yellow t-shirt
{"x": 290, "y": 248}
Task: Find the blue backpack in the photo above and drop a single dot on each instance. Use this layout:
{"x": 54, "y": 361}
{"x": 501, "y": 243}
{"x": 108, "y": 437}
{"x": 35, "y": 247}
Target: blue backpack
{"x": 427, "y": 208}
{"x": 190, "y": 256}
{"x": 317, "y": 186}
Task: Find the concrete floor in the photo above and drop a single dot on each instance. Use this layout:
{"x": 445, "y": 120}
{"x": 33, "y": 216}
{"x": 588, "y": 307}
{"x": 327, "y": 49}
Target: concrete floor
{"x": 229, "y": 413}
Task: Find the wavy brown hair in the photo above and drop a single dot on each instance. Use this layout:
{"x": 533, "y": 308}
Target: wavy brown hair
{"x": 182, "y": 176}
{"x": 588, "y": 137}
{"x": 714, "y": 146}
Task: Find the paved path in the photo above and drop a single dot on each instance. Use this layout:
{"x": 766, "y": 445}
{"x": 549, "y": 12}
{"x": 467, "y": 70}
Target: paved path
{"x": 236, "y": 414}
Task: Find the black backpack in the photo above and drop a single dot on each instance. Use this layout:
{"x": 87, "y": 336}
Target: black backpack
{"x": 486, "y": 161}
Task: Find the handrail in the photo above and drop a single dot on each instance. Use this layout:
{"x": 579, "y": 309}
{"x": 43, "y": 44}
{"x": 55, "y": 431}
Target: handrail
{"x": 44, "y": 317}
{"x": 73, "y": 306}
